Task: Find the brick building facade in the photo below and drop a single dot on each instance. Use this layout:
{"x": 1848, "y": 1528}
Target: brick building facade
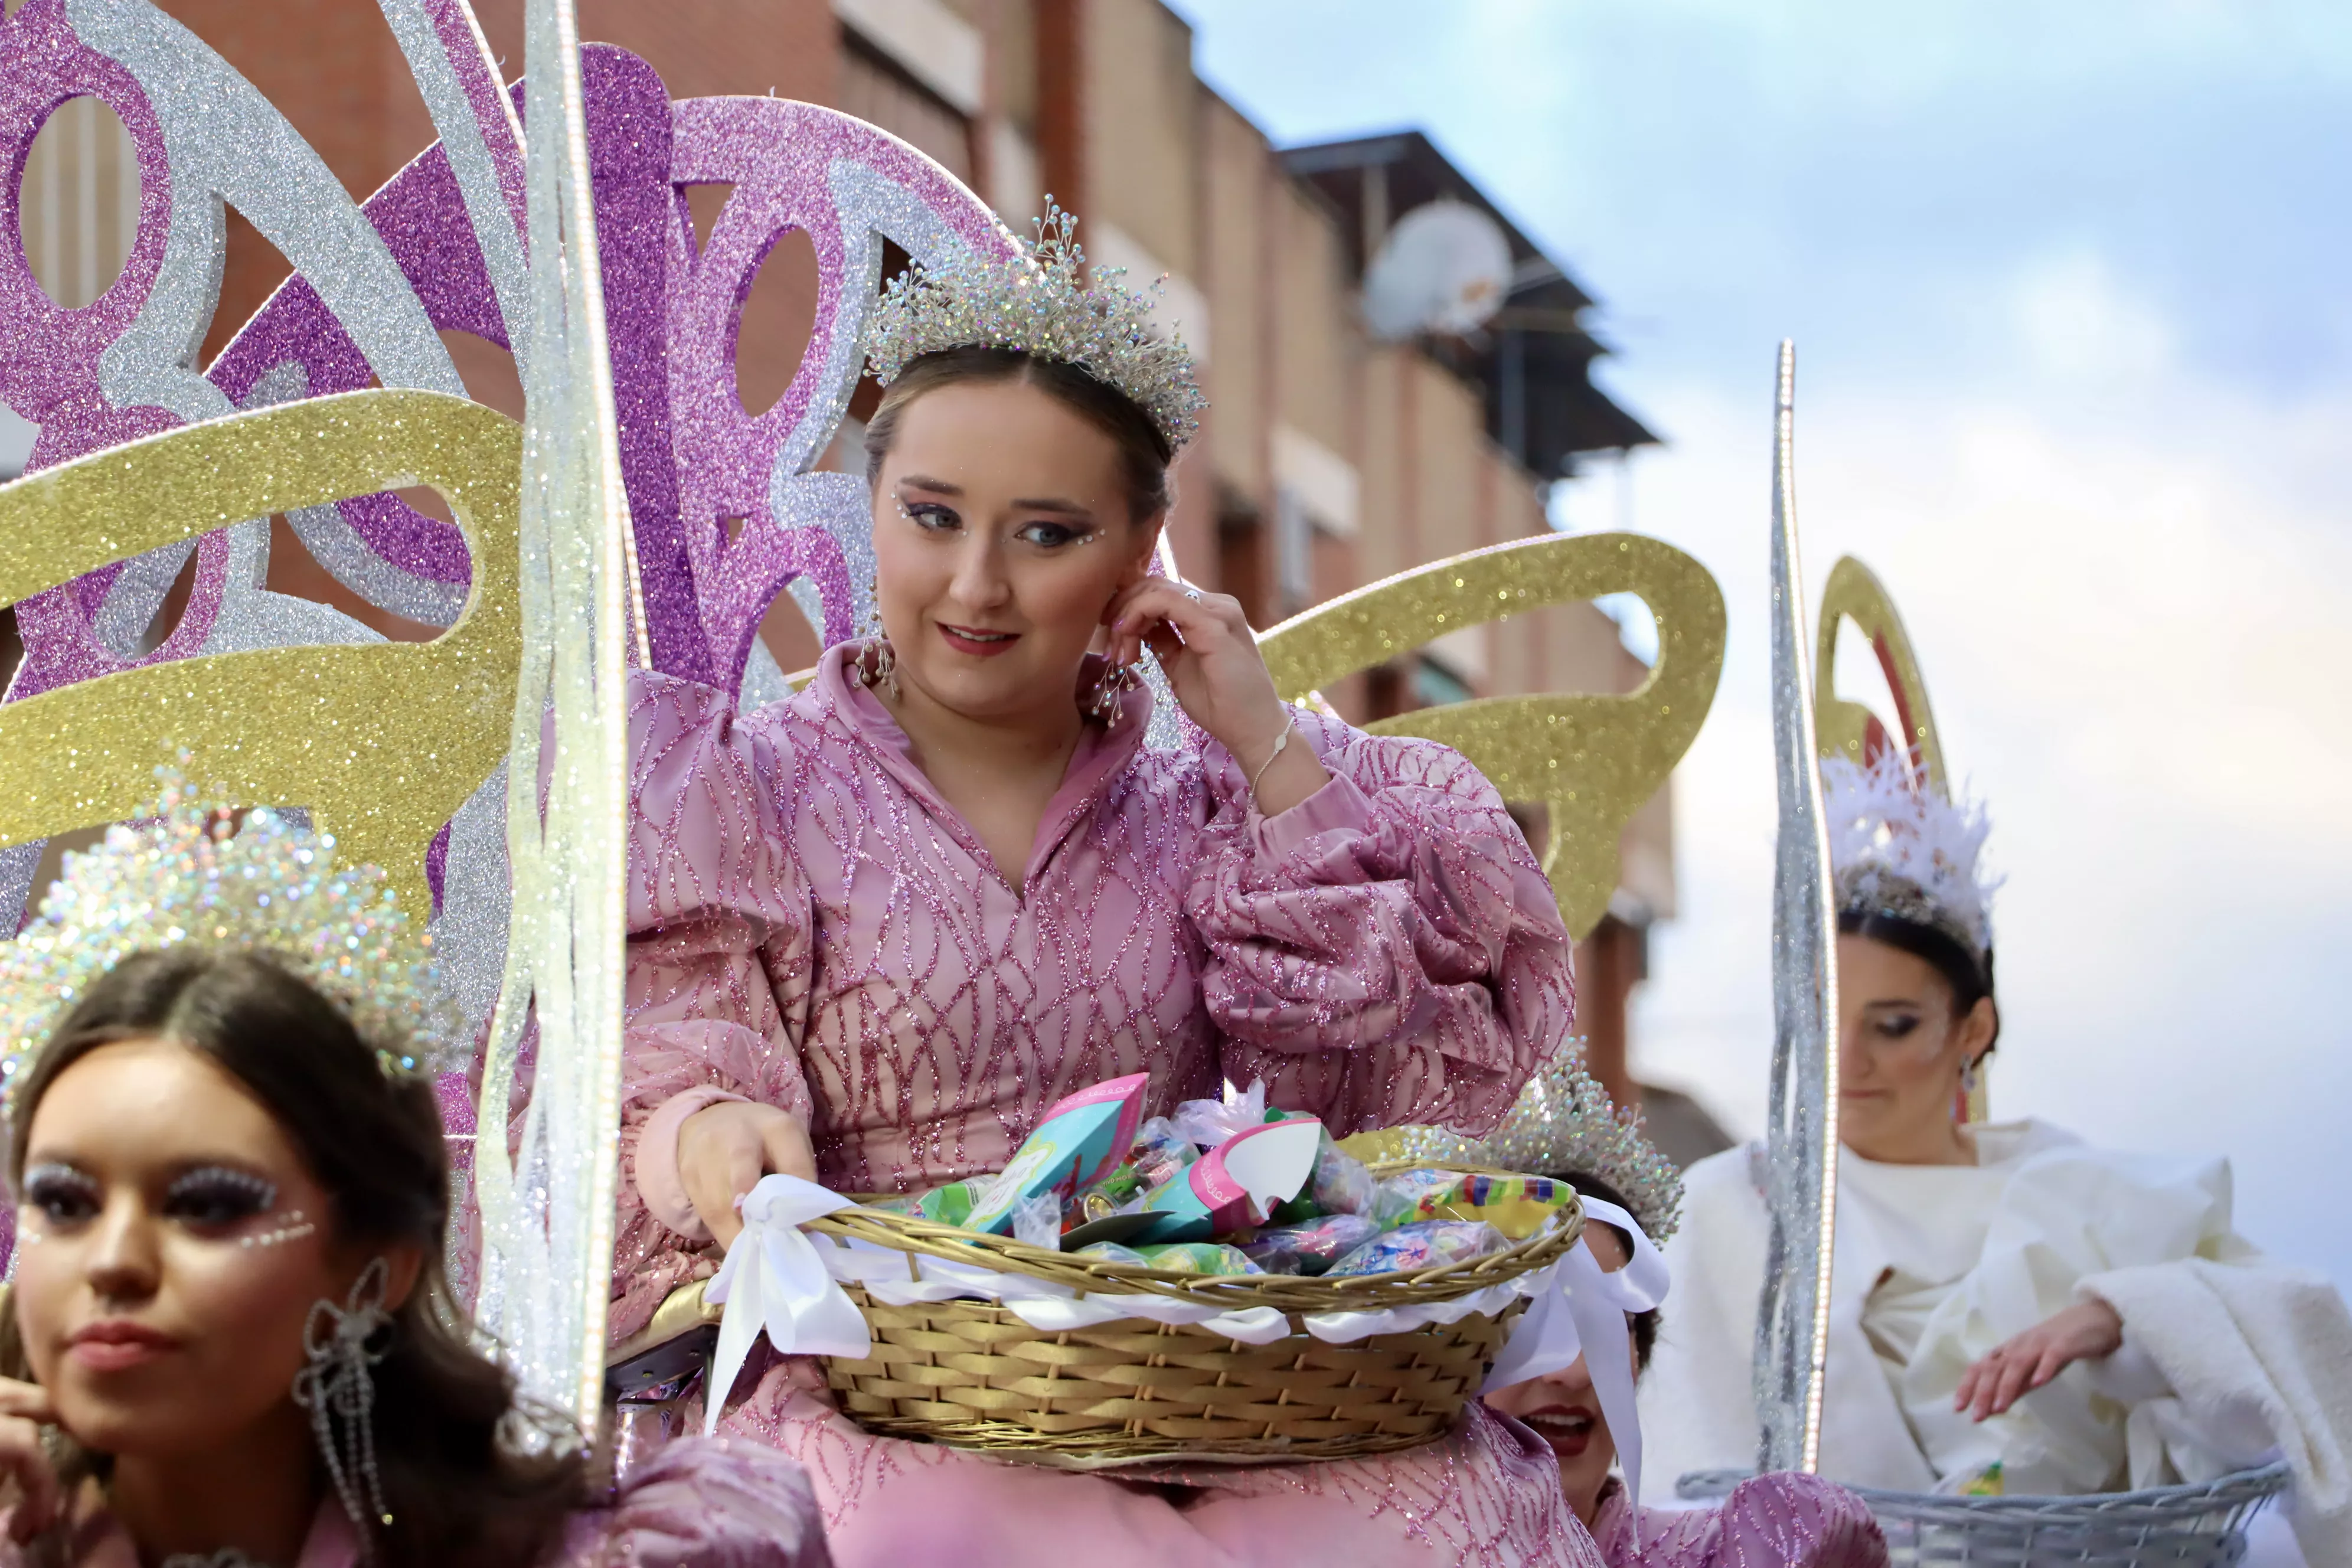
{"x": 1329, "y": 458}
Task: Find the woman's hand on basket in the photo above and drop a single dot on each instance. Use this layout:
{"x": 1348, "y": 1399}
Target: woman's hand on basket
{"x": 723, "y": 1149}
{"x": 25, "y": 1409}
{"x": 2087, "y": 1330}
{"x": 1204, "y": 643}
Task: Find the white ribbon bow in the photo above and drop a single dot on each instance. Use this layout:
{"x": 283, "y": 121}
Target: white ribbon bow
{"x": 1587, "y": 1311}
{"x": 774, "y": 1280}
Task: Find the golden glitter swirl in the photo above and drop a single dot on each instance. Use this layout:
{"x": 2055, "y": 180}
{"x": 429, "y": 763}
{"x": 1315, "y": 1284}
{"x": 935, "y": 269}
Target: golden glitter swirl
{"x": 382, "y": 743}
{"x": 1854, "y": 593}
{"x": 1592, "y": 760}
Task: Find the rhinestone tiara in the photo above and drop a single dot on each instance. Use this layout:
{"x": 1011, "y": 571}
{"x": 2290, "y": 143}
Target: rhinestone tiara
{"x": 1908, "y": 852}
{"x": 1039, "y": 303}
{"x": 190, "y": 875}
{"x": 1564, "y": 1123}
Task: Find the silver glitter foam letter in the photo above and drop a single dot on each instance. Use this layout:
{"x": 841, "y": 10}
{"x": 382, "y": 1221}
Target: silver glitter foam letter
{"x": 547, "y": 1219}
{"x": 1792, "y": 1318}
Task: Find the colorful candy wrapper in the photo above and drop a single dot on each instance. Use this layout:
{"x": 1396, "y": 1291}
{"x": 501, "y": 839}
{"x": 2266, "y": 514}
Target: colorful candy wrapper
{"x": 1237, "y": 1185}
{"x": 1112, "y": 1252}
{"x": 1424, "y": 1245}
{"x": 1210, "y": 1122}
{"x": 952, "y": 1203}
{"x": 1312, "y": 1247}
{"x": 1037, "y": 1222}
{"x": 1342, "y": 1184}
{"x": 1076, "y": 1142}
{"x": 1197, "y": 1257}
{"x": 1158, "y": 1157}
{"x": 1397, "y": 1199}
{"x": 1519, "y": 1206}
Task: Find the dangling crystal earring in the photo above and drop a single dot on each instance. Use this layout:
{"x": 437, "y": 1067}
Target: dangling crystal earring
{"x": 1106, "y": 701}
{"x": 338, "y": 1388}
{"x": 877, "y": 661}
{"x": 1969, "y": 1076}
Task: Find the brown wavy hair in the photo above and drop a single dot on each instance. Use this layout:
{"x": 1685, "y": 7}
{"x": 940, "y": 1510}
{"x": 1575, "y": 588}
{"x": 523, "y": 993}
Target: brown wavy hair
{"x": 1144, "y": 454}
{"x": 459, "y": 1497}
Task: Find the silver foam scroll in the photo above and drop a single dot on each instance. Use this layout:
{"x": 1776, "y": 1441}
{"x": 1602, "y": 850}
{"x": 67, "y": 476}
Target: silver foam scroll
{"x": 546, "y": 1217}
{"x": 1792, "y": 1318}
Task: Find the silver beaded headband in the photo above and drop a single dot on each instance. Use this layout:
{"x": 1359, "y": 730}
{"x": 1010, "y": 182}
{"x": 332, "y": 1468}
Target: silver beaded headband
{"x": 1564, "y": 1123}
{"x": 1039, "y": 303}
{"x": 190, "y": 875}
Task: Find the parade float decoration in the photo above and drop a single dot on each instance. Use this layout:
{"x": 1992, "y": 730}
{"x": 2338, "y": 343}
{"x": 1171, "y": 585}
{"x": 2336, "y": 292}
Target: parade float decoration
{"x": 638, "y": 517}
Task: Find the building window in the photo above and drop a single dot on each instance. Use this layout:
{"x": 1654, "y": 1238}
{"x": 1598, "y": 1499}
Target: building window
{"x": 878, "y": 90}
{"x": 1434, "y": 685}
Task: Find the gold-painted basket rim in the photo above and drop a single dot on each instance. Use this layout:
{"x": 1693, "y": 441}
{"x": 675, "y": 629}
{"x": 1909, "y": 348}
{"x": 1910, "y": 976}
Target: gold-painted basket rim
{"x": 1288, "y": 1293}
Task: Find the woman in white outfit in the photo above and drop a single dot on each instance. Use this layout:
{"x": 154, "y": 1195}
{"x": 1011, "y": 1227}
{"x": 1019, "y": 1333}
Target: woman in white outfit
{"x": 2013, "y": 1310}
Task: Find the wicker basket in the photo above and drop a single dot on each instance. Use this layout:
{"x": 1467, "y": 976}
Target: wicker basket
{"x": 2165, "y": 1527}
{"x": 971, "y": 1374}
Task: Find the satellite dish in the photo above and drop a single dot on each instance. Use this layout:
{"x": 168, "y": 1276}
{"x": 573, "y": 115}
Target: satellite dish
{"x": 1444, "y": 267}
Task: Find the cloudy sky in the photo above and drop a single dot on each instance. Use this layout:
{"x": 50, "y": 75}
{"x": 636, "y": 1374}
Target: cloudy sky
{"x": 2072, "y": 303}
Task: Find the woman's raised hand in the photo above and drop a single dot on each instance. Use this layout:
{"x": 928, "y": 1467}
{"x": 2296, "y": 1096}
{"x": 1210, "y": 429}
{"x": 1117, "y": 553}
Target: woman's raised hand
{"x": 25, "y": 1409}
{"x": 1204, "y": 643}
{"x": 2087, "y": 1330}
{"x": 723, "y": 1149}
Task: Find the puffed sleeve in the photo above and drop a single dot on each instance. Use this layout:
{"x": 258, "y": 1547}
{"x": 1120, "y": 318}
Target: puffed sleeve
{"x": 700, "y": 1503}
{"x": 719, "y": 932}
{"x": 1386, "y": 951}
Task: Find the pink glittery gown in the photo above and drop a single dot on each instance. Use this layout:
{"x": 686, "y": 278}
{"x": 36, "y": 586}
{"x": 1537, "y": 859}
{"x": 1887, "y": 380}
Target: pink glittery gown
{"x": 815, "y": 929}
{"x": 1786, "y": 1520}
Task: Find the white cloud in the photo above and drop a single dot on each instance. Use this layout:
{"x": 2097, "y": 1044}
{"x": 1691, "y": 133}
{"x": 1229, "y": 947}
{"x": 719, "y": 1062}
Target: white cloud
{"x": 2078, "y": 322}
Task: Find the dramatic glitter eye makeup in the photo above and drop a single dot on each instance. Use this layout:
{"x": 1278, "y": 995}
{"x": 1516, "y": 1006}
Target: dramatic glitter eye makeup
{"x": 928, "y": 515}
{"x": 217, "y": 1196}
{"x": 62, "y": 1194}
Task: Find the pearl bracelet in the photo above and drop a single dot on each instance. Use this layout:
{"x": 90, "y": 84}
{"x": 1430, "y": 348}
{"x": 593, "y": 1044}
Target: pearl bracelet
{"x": 1289, "y": 727}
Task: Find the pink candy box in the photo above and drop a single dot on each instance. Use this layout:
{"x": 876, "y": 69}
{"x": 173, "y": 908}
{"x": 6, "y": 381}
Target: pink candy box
{"x": 1237, "y": 1184}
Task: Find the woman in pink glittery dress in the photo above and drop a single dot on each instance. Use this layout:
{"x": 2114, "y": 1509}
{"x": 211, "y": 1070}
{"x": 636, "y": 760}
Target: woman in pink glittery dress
{"x": 880, "y": 925}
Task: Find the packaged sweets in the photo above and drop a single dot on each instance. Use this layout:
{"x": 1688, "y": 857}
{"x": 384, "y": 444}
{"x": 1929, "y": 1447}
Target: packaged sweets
{"x": 1342, "y": 1184}
{"x": 1423, "y": 1244}
{"x": 1396, "y": 1200}
{"x": 1112, "y": 1252}
{"x": 1197, "y": 1258}
{"x": 1159, "y": 1155}
{"x": 1312, "y": 1247}
{"x": 1037, "y": 1222}
{"x": 1236, "y": 1184}
{"x": 1076, "y": 1142}
{"x": 893, "y": 1203}
{"x": 1210, "y": 1122}
{"x": 952, "y": 1203}
{"x": 1519, "y": 1206}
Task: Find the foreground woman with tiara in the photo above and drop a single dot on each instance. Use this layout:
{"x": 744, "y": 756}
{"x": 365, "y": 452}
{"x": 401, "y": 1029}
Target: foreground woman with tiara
{"x": 229, "y": 1341}
{"x": 879, "y": 926}
{"x": 2013, "y": 1311}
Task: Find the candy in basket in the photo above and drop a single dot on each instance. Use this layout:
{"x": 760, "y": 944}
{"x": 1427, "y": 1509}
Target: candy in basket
{"x": 1226, "y": 1284}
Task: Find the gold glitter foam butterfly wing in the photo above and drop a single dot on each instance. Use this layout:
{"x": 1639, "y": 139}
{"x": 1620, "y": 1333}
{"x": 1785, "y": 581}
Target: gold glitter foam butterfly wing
{"x": 1592, "y": 760}
{"x": 383, "y": 741}
{"x": 1846, "y": 729}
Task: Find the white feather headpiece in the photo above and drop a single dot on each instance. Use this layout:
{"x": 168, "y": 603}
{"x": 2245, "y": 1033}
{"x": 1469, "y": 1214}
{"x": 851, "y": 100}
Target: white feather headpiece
{"x": 1899, "y": 849}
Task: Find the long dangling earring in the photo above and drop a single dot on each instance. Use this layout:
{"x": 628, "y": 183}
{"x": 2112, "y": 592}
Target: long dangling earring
{"x": 877, "y": 661}
{"x": 338, "y": 1388}
{"x": 1107, "y": 701}
{"x": 1969, "y": 1076}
